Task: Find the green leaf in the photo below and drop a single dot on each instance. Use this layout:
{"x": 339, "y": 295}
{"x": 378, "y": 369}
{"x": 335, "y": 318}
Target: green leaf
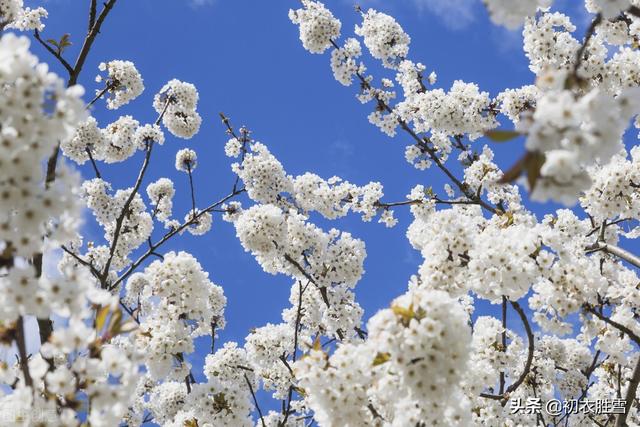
{"x": 501, "y": 135}
{"x": 62, "y": 44}
{"x": 381, "y": 358}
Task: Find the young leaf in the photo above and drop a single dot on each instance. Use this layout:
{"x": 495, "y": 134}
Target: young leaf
{"x": 61, "y": 44}
{"x": 381, "y": 358}
{"x": 101, "y": 317}
{"x": 501, "y": 135}
{"x": 533, "y": 165}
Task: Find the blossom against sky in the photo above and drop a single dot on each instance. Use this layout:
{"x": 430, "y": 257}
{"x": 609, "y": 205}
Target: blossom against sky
{"x": 246, "y": 60}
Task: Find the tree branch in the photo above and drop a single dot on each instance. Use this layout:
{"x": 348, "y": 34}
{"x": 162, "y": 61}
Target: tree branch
{"x": 88, "y": 42}
{"x": 22, "y": 351}
{"x": 58, "y": 56}
{"x": 635, "y": 338}
{"x": 169, "y": 235}
{"x": 630, "y": 395}
{"x": 527, "y": 366}
{"x": 255, "y": 401}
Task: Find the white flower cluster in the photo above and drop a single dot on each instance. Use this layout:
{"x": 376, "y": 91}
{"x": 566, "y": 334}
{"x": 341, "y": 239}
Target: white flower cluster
{"x": 608, "y": 8}
{"x": 178, "y": 304}
{"x": 13, "y": 14}
{"x": 574, "y": 133}
{"x": 445, "y": 258}
{"x": 503, "y": 262}
{"x": 343, "y": 61}
{"x": 548, "y": 42}
{"x": 263, "y": 175}
{"x": 408, "y": 371}
{"x": 133, "y": 230}
{"x": 161, "y": 194}
{"x": 37, "y": 112}
{"x": 123, "y": 82}
{"x": 464, "y": 109}
{"x": 186, "y": 160}
{"x": 265, "y": 347}
{"x": 489, "y": 357}
{"x": 384, "y": 37}
{"x": 512, "y": 13}
{"x": 318, "y": 26}
{"x": 613, "y": 193}
{"x": 177, "y": 102}
{"x": 514, "y": 103}
{"x": 113, "y": 144}
{"x": 334, "y": 198}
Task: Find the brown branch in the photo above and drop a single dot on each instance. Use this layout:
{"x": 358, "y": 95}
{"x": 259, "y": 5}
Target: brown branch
{"x": 134, "y": 191}
{"x": 45, "y": 325}
{"x": 124, "y": 212}
{"x": 295, "y": 349}
{"x": 57, "y": 55}
{"x": 630, "y": 395}
{"x": 527, "y": 366}
{"x": 615, "y": 251}
{"x": 634, "y": 337}
{"x": 98, "y": 96}
{"x": 88, "y": 42}
{"x": 22, "y": 351}
{"x": 421, "y": 142}
{"x": 309, "y": 277}
{"x": 504, "y": 338}
{"x": 193, "y": 194}
{"x": 590, "y": 33}
{"x": 93, "y": 163}
{"x": 92, "y": 13}
{"x": 169, "y": 235}
{"x": 243, "y": 140}
{"x": 255, "y": 401}
{"x": 82, "y": 261}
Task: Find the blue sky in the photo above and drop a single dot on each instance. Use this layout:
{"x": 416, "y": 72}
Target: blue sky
{"x": 246, "y": 60}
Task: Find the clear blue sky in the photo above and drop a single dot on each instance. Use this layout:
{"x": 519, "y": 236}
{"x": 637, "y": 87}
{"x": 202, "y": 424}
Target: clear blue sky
{"x": 246, "y": 60}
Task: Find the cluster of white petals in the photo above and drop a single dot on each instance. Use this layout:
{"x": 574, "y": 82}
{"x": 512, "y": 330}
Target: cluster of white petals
{"x": 384, "y": 37}
{"x": 37, "y": 112}
{"x": 123, "y": 319}
{"x": 177, "y": 102}
{"x": 512, "y": 13}
{"x": 318, "y": 26}
{"x": 13, "y": 14}
{"x": 123, "y": 83}
{"x": 178, "y": 304}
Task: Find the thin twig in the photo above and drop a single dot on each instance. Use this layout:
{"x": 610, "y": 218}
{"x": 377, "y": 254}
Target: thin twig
{"x": 255, "y": 401}
{"x": 22, "y": 351}
{"x": 98, "y": 96}
{"x": 93, "y": 163}
{"x": 590, "y": 33}
{"x": 635, "y": 338}
{"x": 125, "y": 211}
{"x": 58, "y": 56}
{"x": 504, "y": 339}
{"x": 169, "y": 235}
{"x": 193, "y": 194}
{"x": 527, "y": 366}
